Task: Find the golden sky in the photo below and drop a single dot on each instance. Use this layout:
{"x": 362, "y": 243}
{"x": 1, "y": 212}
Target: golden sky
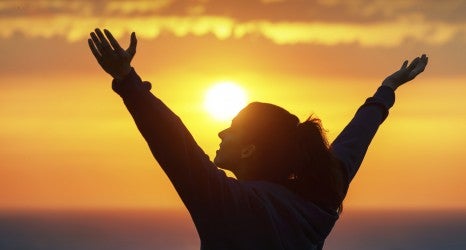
{"x": 67, "y": 141}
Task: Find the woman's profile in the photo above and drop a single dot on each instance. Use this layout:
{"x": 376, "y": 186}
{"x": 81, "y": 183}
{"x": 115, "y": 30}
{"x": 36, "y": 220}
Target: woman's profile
{"x": 290, "y": 182}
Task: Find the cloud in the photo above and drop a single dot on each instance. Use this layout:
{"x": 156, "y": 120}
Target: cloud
{"x": 128, "y": 7}
{"x": 381, "y": 9}
{"x": 385, "y": 34}
{"x": 247, "y": 10}
{"x": 74, "y": 20}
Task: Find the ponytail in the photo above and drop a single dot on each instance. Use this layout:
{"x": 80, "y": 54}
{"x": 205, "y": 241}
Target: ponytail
{"x": 317, "y": 175}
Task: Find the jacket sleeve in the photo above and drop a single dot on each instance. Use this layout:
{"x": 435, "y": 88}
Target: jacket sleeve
{"x": 351, "y": 144}
{"x": 197, "y": 180}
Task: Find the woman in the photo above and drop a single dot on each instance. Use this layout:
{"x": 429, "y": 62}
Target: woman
{"x": 290, "y": 184}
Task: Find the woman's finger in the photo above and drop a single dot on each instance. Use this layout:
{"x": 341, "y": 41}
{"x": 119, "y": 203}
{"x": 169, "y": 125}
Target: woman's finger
{"x": 424, "y": 59}
{"x": 420, "y": 66}
{"x": 94, "y": 50}
{"x": 405, "y": 63}
{"x": 112, "y": 40}
{"x": 413, "y": 64}
{"x": 132, "y": 45}
{"x": 105, "y": 45}
{"x": 97, "y": 42}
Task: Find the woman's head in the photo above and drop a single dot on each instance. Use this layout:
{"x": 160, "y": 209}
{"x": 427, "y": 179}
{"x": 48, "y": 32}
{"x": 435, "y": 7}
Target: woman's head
{"x": 258, "y": 130}
{"x": 266, "y": 142}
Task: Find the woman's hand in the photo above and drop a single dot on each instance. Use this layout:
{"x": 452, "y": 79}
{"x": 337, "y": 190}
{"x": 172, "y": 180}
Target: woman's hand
{"x": 406, "y": 73}
{"x": 113, "y": 59}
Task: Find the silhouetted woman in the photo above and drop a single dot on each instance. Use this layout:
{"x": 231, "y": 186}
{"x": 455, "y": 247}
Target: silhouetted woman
{"x": 290, "y": 183}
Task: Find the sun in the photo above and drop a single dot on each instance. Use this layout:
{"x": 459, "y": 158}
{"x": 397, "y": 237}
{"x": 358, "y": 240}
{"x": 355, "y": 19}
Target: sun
{"x": 224, "y": 100}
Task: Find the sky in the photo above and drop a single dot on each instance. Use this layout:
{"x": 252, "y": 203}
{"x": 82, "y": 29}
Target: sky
{"x": 67, "y": 141}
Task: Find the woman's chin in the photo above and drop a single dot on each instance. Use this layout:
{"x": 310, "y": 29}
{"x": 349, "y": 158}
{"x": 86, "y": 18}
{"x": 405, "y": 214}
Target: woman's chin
{"x": 218, "y": 160}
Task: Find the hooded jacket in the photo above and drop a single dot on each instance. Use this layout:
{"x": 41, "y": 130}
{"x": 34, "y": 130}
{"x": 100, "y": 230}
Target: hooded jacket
{"x": 233, "y": 214}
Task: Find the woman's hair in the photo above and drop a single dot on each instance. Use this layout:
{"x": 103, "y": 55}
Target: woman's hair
{"x": 293, "y": 154}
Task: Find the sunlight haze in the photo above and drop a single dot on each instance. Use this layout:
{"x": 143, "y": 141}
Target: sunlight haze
{"x": 224, "y": 100}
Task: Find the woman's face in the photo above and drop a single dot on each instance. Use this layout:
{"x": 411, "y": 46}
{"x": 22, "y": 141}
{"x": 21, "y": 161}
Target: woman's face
{"x": 229, "y": 153}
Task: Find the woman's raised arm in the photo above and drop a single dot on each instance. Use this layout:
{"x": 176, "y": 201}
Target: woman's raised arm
{"x": 351, "y": 144}
{"x": 197, "y": 180}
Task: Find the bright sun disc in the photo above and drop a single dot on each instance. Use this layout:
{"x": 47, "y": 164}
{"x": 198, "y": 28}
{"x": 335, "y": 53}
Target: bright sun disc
{"x": 224, "y": 100}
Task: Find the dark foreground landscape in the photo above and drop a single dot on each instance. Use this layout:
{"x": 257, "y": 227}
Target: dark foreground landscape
{"x": 357, "y": 229}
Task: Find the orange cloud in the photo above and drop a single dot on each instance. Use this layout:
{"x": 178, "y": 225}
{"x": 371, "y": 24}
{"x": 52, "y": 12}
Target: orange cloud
{"x": 384, "y": 34}
{"x": 75, "y": 19}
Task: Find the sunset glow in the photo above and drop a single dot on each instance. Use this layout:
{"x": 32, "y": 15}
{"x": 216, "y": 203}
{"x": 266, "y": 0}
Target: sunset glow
{"x": 224, "y": 100}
